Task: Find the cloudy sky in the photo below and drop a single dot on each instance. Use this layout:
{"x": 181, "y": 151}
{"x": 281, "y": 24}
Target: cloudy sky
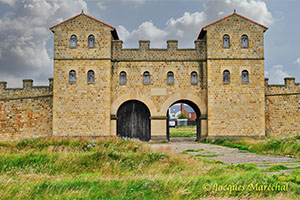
{"x": 26, "y": 44}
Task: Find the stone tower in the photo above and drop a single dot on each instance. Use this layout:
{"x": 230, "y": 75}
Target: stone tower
{"x": 81, "y": 104}
{"x": 235, "y": 71}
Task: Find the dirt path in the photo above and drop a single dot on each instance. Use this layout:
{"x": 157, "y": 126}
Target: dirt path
{"x": 229, "y": 155}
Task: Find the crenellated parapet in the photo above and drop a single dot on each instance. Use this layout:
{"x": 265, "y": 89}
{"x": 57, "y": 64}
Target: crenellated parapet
{"x": 28, "y": 90}
{"x": 289, "y": 87}
{"x": 171, "y": 53}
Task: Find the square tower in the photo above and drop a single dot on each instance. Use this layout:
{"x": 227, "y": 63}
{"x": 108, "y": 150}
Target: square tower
{"x": 235, "y": 71}
{"x": 82, "y": 76}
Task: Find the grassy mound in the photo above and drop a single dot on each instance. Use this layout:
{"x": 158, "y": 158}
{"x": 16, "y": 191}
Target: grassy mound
{"x": 55, "y": 168}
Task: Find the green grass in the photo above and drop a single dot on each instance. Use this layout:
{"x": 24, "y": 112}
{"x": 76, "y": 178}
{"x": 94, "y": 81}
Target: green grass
{"x": 206, "y": 156}
{"x": 54, "y": 168}
{"x": 192, "y": 150}
{"x": 183, "y": 131}
{"x": 288, "y": 146}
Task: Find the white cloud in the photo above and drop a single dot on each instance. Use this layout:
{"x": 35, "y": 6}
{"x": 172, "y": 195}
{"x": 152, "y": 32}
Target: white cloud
{"x": 276, "y": 74}
{"x": 254, "y": 9}
{"x": 101, "y": 5}
{"x": 298, "y": 61}
{"x": 9, "y": 2}
{"x": 135, "y": 1}
{"x": 24, "y": 35}
{"x": 186, "y": 28}
{"x": 145, "y": 31}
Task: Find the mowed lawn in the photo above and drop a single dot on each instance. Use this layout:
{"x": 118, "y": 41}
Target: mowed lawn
{"x": 55, "y": 168}
{"x": 183, "y": 131}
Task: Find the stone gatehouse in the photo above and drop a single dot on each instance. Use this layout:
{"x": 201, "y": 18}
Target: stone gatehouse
{"x": 100, "y": 88}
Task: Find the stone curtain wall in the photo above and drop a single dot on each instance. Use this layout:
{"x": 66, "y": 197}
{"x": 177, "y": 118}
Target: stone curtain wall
{"x": 283, "y": 108}
{"x": 25, "y": 112}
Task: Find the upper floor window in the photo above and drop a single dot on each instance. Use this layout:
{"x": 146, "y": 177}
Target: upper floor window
{"x": 226, "y": 41}
{"x": 170, "y": 78}
{"x": 73, "y": 41}
{"x": 91, "y": 41}
{"x": 245, "y": 76}
{"x": 146, "y": 78}
{"x": 194, "y": 78}
{"x": 91, "y": 76}
{"x": 123, "y": 78}
{"x": 72, "y": 76}
{"x": 226, "y": 76}
{"x": 244, "y": 41}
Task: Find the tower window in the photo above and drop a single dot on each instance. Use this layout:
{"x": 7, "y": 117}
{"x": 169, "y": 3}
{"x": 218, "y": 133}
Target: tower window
{"x": 91, "y": 76}
{"x": 245, "y": 76}
{"x": 91, "y": 41}
{"x": 123, "y": 78}
{"x": 170, "y": 78}
{"x": 194, "y": 78}
{"x": 226, "y": 41}
{"x": 72, "y": 76}
{"x": 73, "y": 41}
{"x": 244, "y": 41}
{"x": 226, "y": 76}
{"x": 146, "y": 78}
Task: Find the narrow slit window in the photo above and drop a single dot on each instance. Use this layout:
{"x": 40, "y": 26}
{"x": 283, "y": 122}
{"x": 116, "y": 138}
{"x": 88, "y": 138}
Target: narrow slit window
{"x": 245, "y": 76}
{"x": 72, "y": 76}
{"x": 73, "y": 41}
{"x": 91, "y": 76}
{"x": 170, "y": 78}
{"x": 146, "y": 78}
{"x": 123, "y": 78}
{"x": 91, "y": 41}
{"x": 245, "y": 41}
{"x": 226, "y": 76}
{"x": 226, "y": 41}
{"x": 194, "y": 78}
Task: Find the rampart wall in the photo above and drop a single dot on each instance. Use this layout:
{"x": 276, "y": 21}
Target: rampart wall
{"x": 25, "y": 112}
{"x": 282, "y": 108}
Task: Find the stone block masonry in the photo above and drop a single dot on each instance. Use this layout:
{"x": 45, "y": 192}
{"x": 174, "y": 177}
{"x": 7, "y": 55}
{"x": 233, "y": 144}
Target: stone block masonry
{"x": 25, "y": 112}
{"x": 283, "y": 108}
{"x": 155, "y": 79}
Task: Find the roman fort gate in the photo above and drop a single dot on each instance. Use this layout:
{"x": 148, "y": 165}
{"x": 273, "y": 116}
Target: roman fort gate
{"x": 102, "y": 89}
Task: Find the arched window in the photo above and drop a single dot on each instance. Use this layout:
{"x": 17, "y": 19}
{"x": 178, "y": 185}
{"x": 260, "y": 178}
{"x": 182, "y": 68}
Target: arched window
{"x": 146, "y": 78}
{"x": 194, "y": 78}
{"x": 91, "y": 41}
{"x": 73, "y": 41}
{"x": 91, "y": 76}
{"x": 72, "y": 76}
{"x": 244, "y": 41}
{"x": 123, "y": 78}
{"x": 226, "y": 41}
{"x": 170, "y": 78}
{"x": 245, "y": 76}
{"x": 226, "y": 76}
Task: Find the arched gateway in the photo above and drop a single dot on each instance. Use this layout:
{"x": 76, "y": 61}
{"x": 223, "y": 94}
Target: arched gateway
{"x": 198, "y": 115}
{"x": 133, "y": 120}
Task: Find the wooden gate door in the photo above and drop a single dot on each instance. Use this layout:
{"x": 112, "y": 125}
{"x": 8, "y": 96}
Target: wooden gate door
{"x": 134, "y": 120}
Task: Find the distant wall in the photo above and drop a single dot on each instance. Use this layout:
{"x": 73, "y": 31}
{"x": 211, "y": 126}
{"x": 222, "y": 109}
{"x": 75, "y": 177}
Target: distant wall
{"x": 25, "y": 112}
{"x": 283, "y": 108}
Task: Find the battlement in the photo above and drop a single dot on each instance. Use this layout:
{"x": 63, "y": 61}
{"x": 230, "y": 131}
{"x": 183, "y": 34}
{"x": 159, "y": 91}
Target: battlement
{"x": 171, "y": 53}
{"x": 27, "y": 91}
{"x": 289, "y": 87}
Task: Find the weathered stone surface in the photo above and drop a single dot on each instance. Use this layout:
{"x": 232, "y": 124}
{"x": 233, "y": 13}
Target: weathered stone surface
{"x": 82, "y": 108}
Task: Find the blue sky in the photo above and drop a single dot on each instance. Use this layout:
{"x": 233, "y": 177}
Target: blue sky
{"x": 26, "y": 44}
